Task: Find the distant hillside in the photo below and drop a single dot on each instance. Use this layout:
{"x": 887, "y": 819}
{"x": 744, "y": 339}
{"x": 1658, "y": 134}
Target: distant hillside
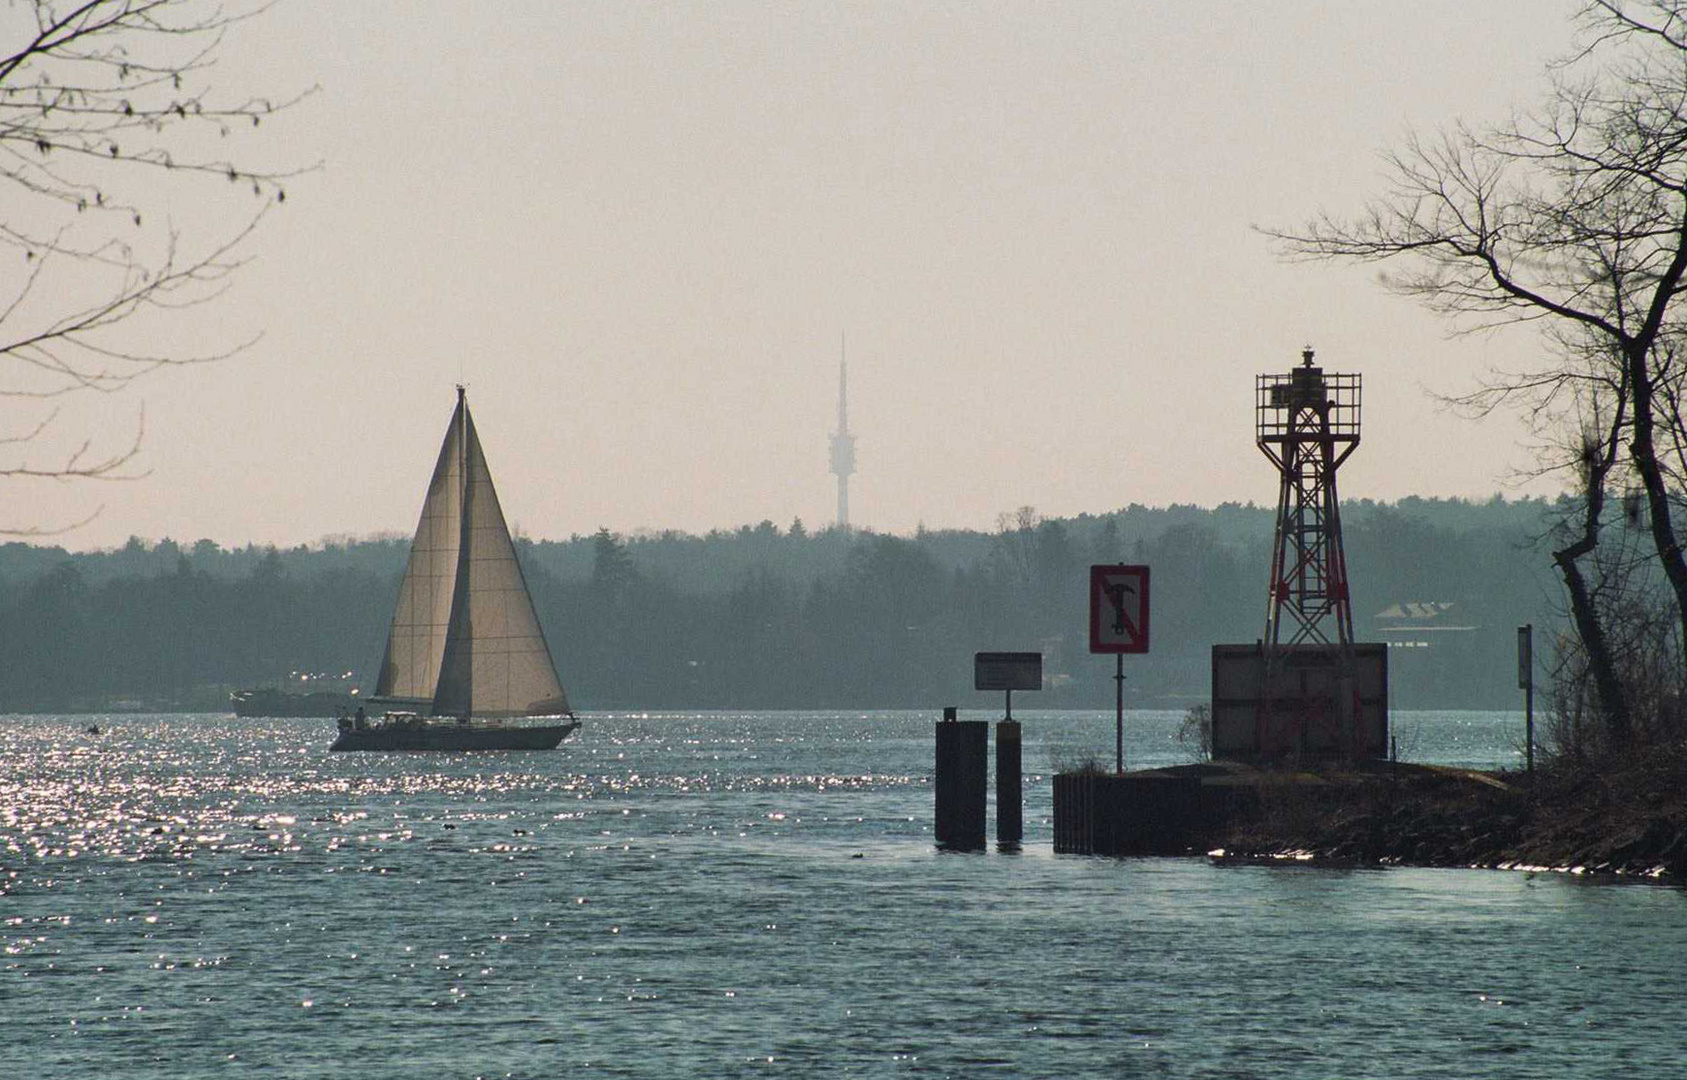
{"x": 767, "y": 616}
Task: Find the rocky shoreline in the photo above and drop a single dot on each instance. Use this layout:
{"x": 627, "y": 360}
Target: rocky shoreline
{"x": 1629, "y": 822}
{"x": 1626, "y": 819}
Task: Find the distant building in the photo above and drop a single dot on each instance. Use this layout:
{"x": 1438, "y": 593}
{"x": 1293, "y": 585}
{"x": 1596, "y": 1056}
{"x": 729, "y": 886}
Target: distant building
{"x": 1443, "y": 654}
{"x": 1421, "y": 624}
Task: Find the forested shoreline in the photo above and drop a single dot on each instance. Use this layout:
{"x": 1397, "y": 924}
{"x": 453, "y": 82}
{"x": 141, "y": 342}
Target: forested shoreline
{"x": 770, "y": 616}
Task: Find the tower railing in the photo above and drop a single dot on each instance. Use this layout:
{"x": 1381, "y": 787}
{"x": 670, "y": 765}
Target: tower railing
{"x": 1282, "y": 404}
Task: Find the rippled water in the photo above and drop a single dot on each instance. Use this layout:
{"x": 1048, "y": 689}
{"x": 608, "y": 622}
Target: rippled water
{"x": 753, "y": 894}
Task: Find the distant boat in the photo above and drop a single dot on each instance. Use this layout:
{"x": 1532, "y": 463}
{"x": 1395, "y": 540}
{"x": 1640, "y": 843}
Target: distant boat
{"x": 272, "y": 702}
{"x": 466, "y": 666}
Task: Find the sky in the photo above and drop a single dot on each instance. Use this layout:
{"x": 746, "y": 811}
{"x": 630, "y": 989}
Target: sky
{"x": 637, "y": 232}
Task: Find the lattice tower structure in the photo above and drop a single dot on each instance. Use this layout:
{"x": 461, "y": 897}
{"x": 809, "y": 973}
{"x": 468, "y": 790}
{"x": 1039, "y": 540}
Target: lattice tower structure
{"x": 1307, "y": 423}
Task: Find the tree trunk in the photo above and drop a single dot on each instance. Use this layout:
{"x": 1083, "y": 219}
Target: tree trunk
{"x": 1643, "y": 450}
{"x": 1613, "y": 704}
{"x": 1605, "y": 684}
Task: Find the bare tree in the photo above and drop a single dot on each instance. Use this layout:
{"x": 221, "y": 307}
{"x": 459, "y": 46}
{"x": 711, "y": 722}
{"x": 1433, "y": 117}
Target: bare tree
{"x": 1573, "y": 219}
{"x": 1015, "y": 547}
{"x": 107, "y": 109}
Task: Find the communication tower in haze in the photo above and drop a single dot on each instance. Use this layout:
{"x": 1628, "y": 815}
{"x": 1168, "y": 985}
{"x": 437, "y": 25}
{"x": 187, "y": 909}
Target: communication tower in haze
{"x": 843, "y": 443}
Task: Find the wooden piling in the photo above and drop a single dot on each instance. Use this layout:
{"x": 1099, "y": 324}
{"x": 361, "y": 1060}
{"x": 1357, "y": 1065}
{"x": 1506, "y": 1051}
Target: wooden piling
{"x": 1010, "y": 801}
{"x": 961, "y": 783}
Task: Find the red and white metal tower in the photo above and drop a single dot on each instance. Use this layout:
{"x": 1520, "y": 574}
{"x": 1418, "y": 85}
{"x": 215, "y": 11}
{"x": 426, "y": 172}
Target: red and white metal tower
{"x": 1307, "y": 423}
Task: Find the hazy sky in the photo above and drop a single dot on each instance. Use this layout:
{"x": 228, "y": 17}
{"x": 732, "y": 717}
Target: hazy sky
{"x": 637, "y": 230}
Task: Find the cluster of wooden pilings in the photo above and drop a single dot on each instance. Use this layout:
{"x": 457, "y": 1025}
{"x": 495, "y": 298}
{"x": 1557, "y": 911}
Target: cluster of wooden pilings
{"x": 962, "y": 783}
{"x": 1169, "y": 811}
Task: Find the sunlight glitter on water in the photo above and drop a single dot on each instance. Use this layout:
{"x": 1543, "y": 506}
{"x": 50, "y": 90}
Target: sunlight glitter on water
{"x": 680, "y": 894}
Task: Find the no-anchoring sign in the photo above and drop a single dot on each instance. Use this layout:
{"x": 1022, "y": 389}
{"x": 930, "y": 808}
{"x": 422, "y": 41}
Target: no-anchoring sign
{"x": 1118, "y": 609}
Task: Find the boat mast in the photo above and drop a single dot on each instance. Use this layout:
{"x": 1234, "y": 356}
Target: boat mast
{"x": 462, "y": 462}
{"x": 465, "y": 531}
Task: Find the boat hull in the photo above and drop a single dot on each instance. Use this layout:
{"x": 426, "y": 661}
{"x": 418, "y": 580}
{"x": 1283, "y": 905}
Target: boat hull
{"x": 454, "y": 737}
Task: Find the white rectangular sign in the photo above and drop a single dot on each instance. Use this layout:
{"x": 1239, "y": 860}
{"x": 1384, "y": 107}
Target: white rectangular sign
{"x": 1007, "y": 671}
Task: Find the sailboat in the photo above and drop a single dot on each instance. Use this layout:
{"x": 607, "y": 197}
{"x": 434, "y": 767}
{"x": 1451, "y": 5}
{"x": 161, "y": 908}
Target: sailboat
{"x": 466, "y": 664}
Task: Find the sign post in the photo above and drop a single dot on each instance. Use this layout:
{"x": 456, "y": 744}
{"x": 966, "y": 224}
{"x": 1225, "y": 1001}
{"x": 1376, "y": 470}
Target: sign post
{"x": 1119, "y": 625}
{"x": 1008, "y": 672}
{"x": 1526, "y": 683}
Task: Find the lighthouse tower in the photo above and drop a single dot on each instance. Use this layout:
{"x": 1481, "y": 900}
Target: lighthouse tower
{"x": 843, "y": 443}
{"x": 1306, "y": 689}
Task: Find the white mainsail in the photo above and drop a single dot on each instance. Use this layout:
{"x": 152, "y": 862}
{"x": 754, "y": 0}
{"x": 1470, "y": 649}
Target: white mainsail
{"x": 410, "y": 669}
{"x": 465, "y": 639}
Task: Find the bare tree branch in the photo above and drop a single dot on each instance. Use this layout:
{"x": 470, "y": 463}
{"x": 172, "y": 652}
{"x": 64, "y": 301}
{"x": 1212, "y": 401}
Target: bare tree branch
{"x": 105, "y": 107}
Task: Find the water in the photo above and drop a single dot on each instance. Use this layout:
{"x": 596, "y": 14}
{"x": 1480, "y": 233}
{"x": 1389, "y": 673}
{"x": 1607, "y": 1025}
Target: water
{"x": 753, "y": 894}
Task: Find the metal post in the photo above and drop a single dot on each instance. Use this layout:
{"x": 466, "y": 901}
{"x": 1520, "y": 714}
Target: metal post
{"x": 1119, "y": 714}
{"x": 1529, "y": 727}
{"x": 1526, "y": 683}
